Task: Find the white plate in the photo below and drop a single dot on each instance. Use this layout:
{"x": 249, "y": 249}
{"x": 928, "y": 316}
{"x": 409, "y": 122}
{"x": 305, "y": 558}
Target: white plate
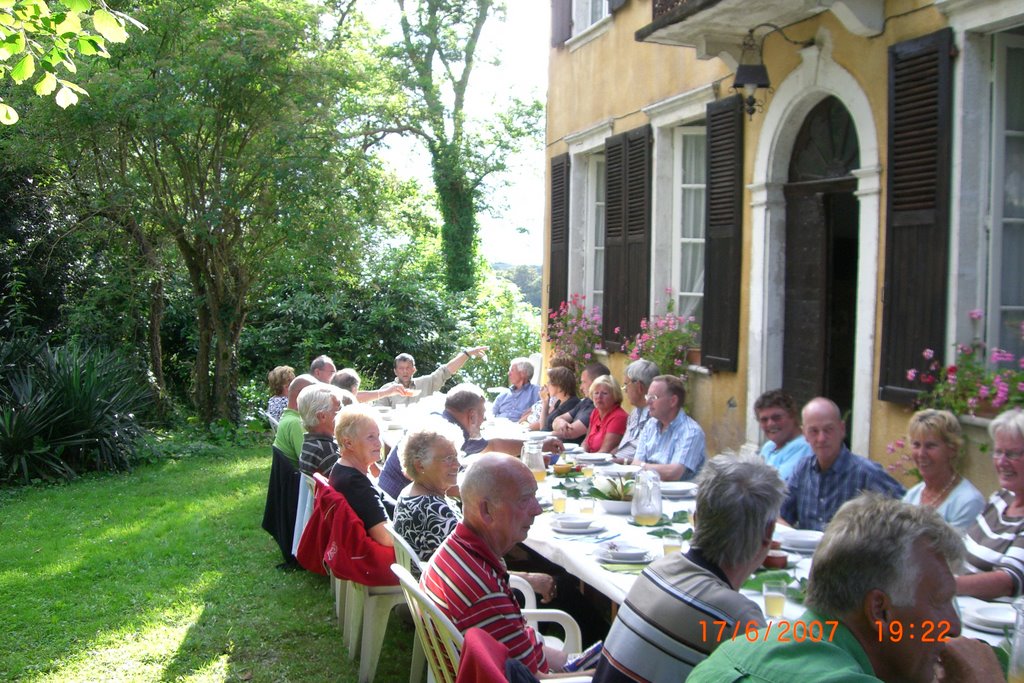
{"x": 622, "y": 552}
{"x": 573, "y": 448}
{"x": 574, "y": 521}
{"x": 616, "y": 507}
{"x": 678, "y": 489}
{"x": 994, "y": 617}
{"x": 603, "y": 556}
{"x": 800, "y": 540}
{"x": 594, "y": 528}
{"x": 539, "y": 436}
{"x": 593, "y": 457}
{"x": 616, "y": 471}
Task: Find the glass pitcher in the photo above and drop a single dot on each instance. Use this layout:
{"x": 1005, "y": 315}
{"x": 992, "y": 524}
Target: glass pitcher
{"x": 533, "y": 456}
{"x": 1016, "y": 668}
{"x": 646, "y": 505}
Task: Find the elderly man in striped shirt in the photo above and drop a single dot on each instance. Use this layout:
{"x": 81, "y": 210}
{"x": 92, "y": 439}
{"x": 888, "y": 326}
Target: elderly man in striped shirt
{"x": 467, "y": 576}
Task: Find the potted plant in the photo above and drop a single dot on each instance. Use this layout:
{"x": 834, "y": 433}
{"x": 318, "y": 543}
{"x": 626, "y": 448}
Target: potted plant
{"x": 976, "y": 383}
{"x": 669, "y": 341}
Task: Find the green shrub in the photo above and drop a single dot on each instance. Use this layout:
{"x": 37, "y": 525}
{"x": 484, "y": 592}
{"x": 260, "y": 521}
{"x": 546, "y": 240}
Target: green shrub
{"x": 66, "y": 410}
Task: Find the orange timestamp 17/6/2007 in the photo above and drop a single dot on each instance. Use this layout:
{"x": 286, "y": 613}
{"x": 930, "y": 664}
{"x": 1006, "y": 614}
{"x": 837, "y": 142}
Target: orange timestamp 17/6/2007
{"x": 784, "y": 631}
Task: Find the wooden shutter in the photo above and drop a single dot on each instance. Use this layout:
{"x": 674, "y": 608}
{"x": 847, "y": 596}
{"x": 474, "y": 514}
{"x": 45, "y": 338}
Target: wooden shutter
{"x": 627, "y": 243}
{"x": 723, "y": 235}
{"x": 558, "y": 268}
{"x": 615, "y": 5}
{"x": 917, "y": 220}
{"x": 561, "y": 22}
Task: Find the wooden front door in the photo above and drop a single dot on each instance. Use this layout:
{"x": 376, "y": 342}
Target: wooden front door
{"x": 822, "y": 215}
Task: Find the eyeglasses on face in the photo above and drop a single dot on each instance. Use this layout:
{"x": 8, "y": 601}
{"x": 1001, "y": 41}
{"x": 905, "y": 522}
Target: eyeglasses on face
{"x": 1009, "y": 455}
{"x": 651, "y": 397}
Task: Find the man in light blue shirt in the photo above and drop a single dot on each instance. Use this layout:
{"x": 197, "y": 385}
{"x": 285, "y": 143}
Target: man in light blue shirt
{"x": 521, "y": 395}
{"x": 672, "y": 443}
{"x": 776, "y": 412}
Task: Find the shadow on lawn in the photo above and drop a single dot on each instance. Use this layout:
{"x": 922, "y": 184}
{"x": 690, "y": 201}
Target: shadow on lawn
{"x": 166, "y": 574}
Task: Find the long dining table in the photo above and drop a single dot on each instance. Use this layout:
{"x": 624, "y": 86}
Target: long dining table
{"x": 577, "y": 554}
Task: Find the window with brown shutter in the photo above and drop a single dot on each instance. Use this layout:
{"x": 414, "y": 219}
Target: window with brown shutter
{"x": 558, "y": 270}
{"x": 627, "y": 246}
{"x": 723, "y": 244}
{"x": 917, "y": 221}
{"x": 561, "y": 22}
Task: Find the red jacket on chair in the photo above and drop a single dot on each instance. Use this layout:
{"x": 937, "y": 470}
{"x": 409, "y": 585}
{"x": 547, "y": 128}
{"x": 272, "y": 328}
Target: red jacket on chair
{"x": 336, "y": 538}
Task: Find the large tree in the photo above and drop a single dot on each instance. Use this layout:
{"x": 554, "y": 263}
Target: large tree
{"x": 434, "y": 63}
{"x": 221, "y": 133}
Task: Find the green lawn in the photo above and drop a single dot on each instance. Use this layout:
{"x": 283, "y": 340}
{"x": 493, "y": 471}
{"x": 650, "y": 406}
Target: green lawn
{"x": 164, "y": 574}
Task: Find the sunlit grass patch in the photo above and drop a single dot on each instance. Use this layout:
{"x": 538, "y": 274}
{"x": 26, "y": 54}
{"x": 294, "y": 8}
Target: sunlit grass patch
{"x": 164, "y": 574}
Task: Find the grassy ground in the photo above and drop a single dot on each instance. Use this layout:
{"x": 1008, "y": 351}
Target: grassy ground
{"x": 164, "y": 574}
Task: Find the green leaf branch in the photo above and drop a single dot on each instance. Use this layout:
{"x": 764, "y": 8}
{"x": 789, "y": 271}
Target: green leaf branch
{"x": 41, "y": 40}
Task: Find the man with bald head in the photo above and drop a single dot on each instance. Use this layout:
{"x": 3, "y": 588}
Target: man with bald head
{"x": 467, "y": 578}
{"x": 290, "y": 431}
{"x": 831, "y": 475}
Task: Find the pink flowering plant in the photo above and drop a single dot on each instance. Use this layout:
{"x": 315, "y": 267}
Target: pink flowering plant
{"x": 665, "y": 339}
{"x": 904, "y": 463}
{"x": 575, "y": 331}
{"x": 976, "y": 381}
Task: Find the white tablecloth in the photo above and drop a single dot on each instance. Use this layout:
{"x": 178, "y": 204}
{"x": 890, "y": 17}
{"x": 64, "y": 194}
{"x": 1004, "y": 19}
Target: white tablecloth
{"x": 576, "y": 554}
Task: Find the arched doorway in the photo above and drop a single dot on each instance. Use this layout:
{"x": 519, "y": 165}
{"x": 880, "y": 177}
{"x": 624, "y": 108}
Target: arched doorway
{"x": 822, "y": 218}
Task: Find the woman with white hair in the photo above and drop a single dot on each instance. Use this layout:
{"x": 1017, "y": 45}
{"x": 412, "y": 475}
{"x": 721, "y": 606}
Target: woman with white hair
{"x": 425, "y": 515}
{"x": 995, "y": 542}
{"x": 358, "y": 436}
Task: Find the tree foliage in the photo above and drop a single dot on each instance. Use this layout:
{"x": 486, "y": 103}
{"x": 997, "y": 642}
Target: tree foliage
{"x": 434, "y": 64}
{"x": 52, "y": 36}
{"x": 221, "y": 134}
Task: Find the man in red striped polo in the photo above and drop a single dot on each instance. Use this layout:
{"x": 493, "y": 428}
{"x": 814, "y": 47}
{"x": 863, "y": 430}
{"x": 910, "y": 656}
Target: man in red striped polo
{"x": 467, "y": 577}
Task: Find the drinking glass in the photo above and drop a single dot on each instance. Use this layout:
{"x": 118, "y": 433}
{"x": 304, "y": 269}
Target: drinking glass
{"x": 671, "y": 543}
{"x": 774, "y": 598}
{"x": 586, "y": 505}
{"x": 558, "y": 501}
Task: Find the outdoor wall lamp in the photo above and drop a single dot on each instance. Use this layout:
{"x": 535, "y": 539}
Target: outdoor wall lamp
{"x": 751, "y": 73}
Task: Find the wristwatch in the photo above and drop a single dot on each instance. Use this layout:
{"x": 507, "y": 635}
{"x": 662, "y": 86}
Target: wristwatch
{"x": 468, "y": 354}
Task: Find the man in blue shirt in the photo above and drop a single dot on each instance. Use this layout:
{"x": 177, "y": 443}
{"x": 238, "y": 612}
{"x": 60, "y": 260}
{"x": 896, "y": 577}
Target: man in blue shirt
{"x": 521, "y": 395}
{"x": 672, "y": 443}
{"x": 776, "y": 412}
{"x": 821, "y": 483}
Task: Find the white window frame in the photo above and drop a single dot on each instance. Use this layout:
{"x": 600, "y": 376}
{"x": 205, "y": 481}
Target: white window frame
{"x": 679, "y": 135}
{"x": 584, "y": 145}
{"x": 684, "y": 109}
{"x": 583, "y": 14}
{"x": 595, "y": 222}
{"x": 1002, "y": 43}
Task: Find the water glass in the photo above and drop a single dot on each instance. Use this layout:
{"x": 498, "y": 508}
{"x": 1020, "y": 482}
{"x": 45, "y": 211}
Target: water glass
{"x": 774, "y": 593}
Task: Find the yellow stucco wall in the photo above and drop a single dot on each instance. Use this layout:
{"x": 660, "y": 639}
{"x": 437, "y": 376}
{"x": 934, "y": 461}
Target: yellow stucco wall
{"x": 614, "y": 76}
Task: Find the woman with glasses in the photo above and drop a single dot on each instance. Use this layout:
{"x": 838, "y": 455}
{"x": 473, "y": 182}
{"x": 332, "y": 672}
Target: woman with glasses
{"x": 425, "y": 514}
{"x": 995, "y": 542}
{"x": 935, "y": 444}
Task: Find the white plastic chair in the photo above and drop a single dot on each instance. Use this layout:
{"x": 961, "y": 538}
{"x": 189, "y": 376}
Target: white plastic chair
{"x": 441, "y": 640}
{"x": 367, "y": 609}
{"x": 304, "y": 509}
